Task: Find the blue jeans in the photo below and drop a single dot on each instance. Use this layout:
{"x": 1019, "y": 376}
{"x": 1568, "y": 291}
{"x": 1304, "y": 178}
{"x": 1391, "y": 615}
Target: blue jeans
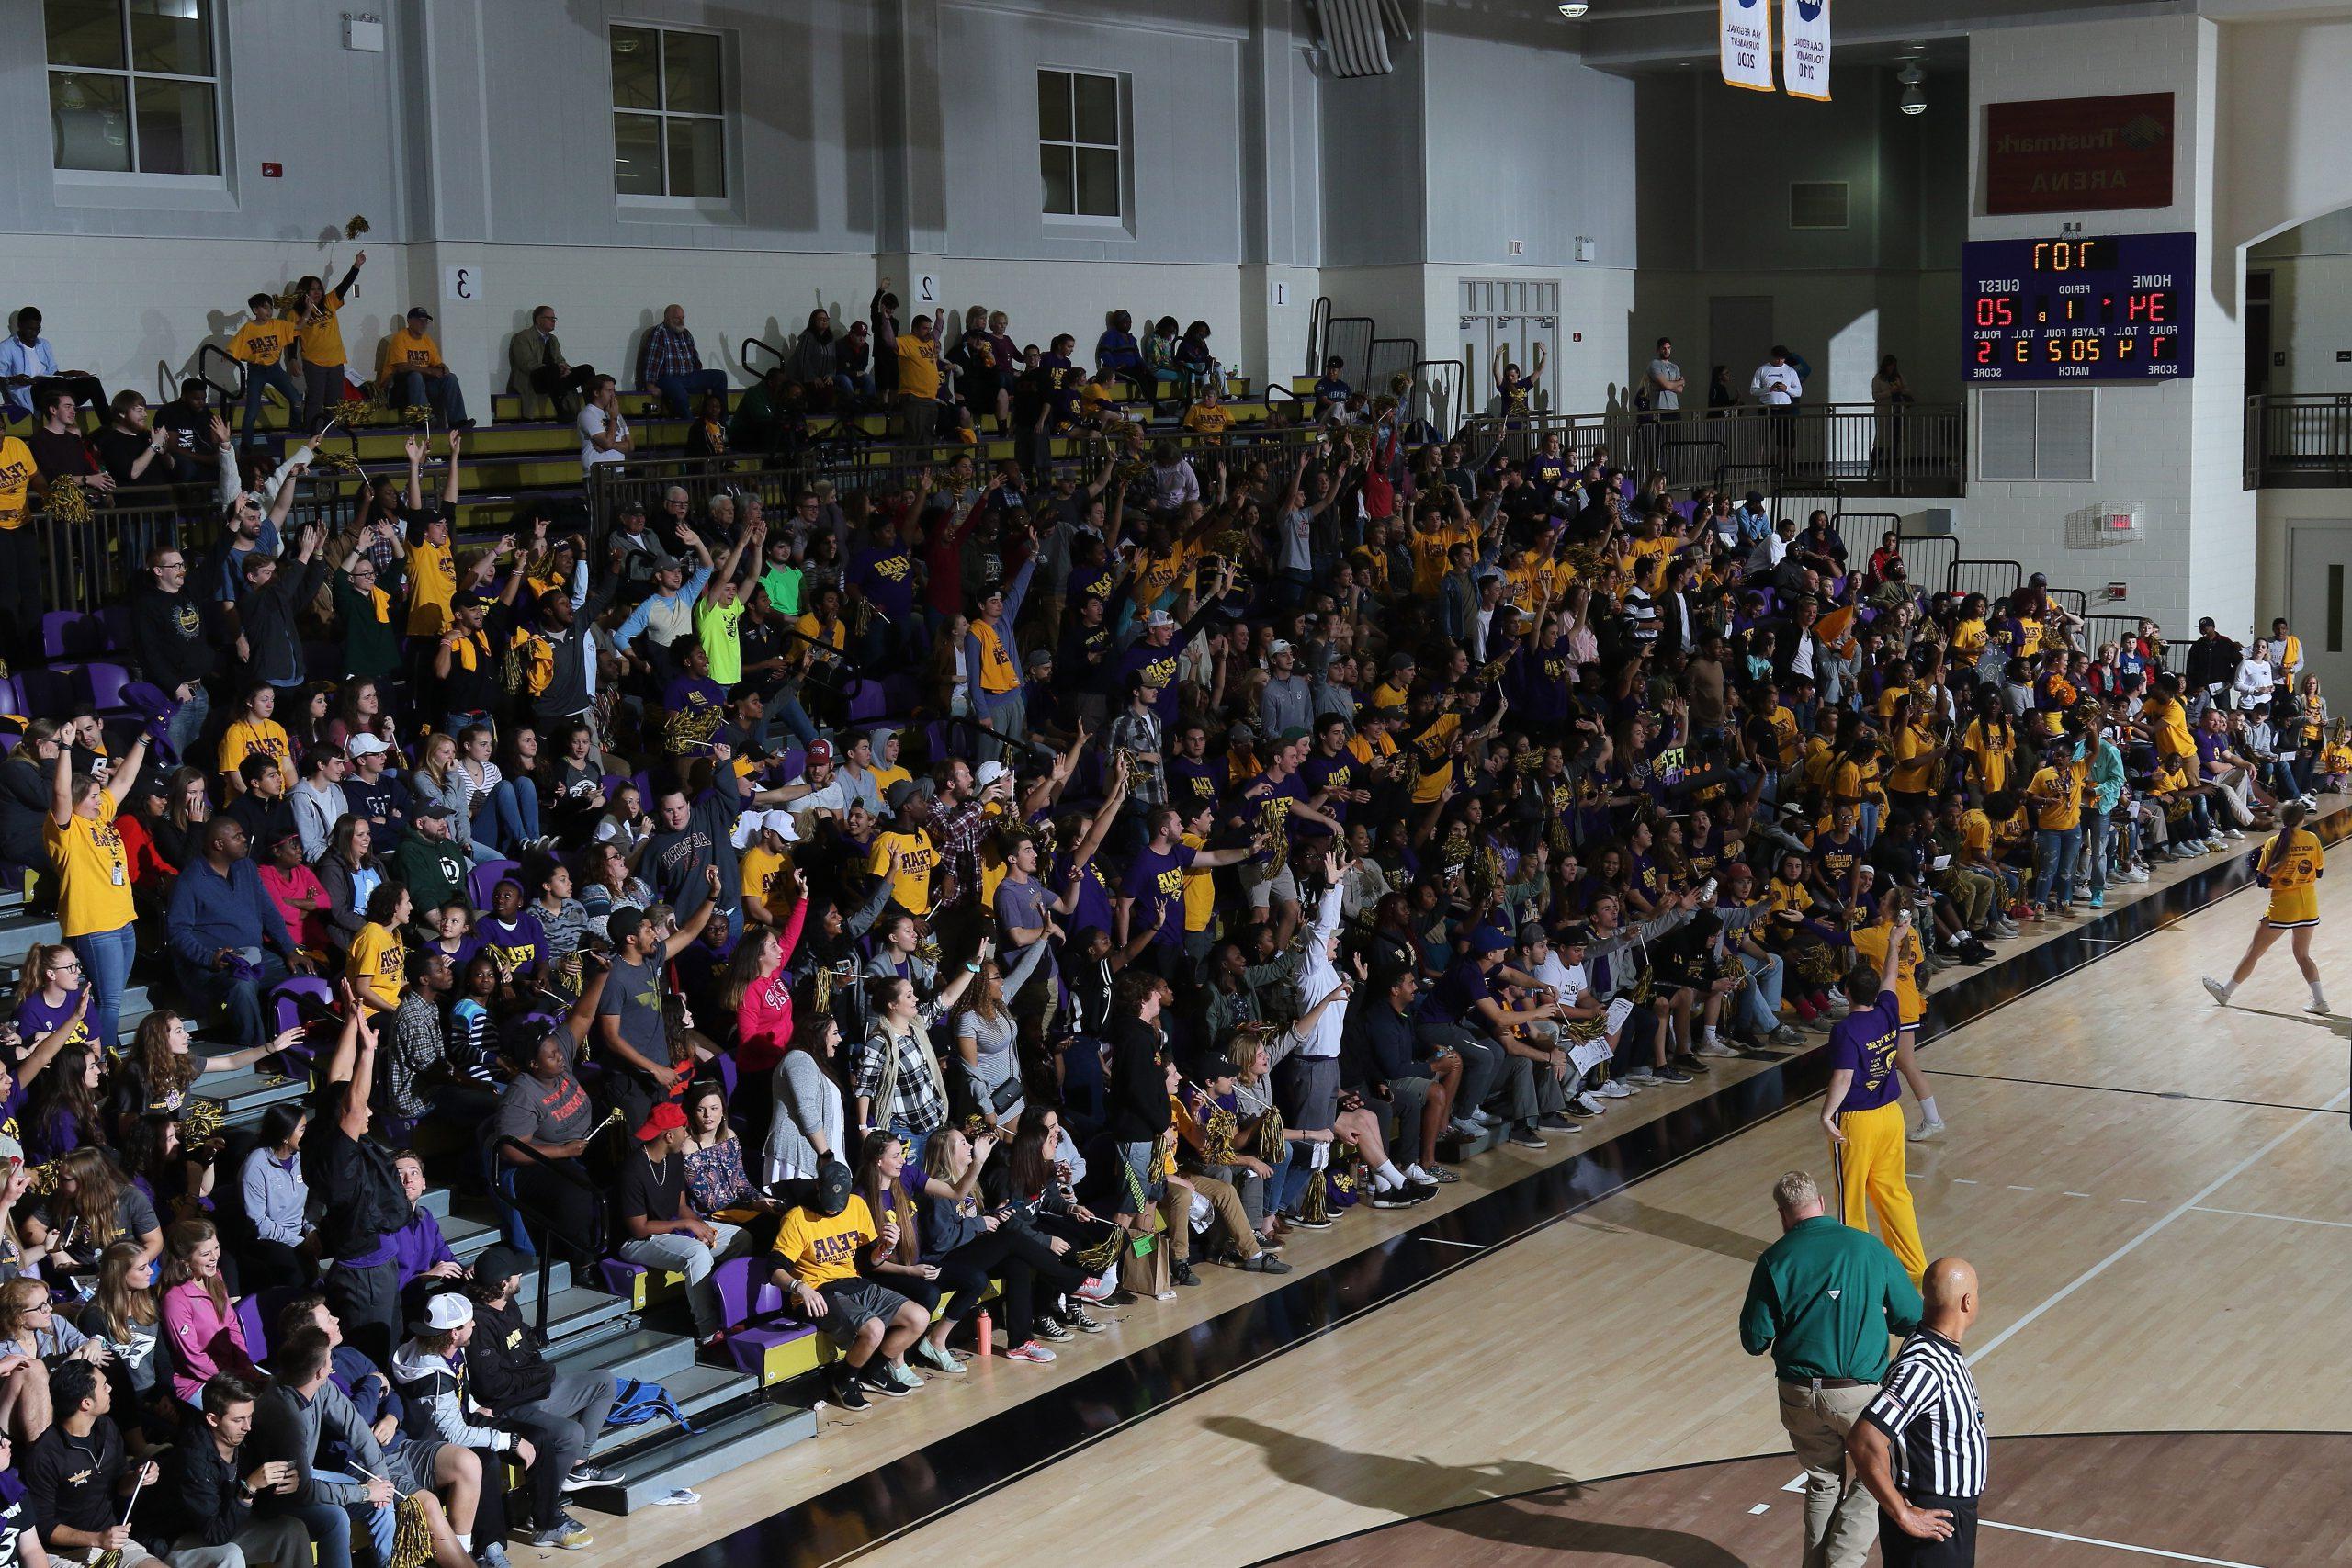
{"x": 507, "y": 818}
{"x": 440, "y": 393}
{"x": 2054, "y": 861}
{"x": 105, "y": 964}
{"x": 328, "y": 1525}
{"x": 260, "y": 379}
{"x": 186, "y": 727}
{"x": 241, "y": 1000}
{"x": 380, "y": 1522}
{"x": 1761, "y": 1002}
{"x": 2094, "y": 836}
{"x": 679, "y": 392}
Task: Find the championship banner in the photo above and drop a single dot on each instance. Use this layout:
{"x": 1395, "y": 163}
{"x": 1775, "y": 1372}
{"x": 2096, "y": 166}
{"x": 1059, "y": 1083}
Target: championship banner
{"x": 1805, "y": 49}
{"x": 1746, "y": 39}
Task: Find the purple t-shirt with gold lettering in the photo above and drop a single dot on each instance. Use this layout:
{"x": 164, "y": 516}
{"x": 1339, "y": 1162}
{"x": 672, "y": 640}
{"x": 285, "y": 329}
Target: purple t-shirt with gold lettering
{"x": 1156, "y": 882}
{"x": 1863, "y": 1043}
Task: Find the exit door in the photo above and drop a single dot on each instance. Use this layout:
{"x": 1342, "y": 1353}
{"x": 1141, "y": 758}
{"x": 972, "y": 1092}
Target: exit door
{"x": 1514, "y": 315}
{"x": 2319, "y": 606}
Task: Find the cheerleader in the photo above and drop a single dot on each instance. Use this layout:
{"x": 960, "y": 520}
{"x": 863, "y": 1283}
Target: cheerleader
{"x": 2291, "y": 866}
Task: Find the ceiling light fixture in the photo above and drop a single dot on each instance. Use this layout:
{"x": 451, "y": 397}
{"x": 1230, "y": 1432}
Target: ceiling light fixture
{"x": 1914, "y": 100}
{"x": 1572, "y": 9}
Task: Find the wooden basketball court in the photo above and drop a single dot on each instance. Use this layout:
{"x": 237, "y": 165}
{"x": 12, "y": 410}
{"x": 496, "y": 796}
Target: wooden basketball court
{"x": 2156, "y": 1192}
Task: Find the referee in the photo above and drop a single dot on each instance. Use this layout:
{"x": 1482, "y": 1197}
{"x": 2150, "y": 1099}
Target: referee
{"x": 1822, "y": 1299}
{"x": 1920, "y": 1447}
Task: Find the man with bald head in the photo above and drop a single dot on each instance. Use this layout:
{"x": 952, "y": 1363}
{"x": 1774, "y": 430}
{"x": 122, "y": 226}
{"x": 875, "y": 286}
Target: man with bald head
{"x": 1823, "y": 1299}
{"x": 671, "y": 365}
{"x": 1921, "y": 1448}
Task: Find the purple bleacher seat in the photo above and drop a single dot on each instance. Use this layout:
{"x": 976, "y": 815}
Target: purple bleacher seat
{"x": 103, "y": 684}
{"x": 70, "y": 635}
{"x": 12, "y": 697}
{"x": 733, "y": 1281}
{"x": 1687, "y": 510}
{"x": 256, "y": 1328}
{"x": 300, "y": 999}
{"x": 483, "y": 879}
{"x": 618, "y": 1277}
{"x": 868, "y": 701}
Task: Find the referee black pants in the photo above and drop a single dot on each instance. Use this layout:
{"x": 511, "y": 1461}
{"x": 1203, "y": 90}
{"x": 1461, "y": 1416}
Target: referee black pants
{"x": 1957, "y": 1549}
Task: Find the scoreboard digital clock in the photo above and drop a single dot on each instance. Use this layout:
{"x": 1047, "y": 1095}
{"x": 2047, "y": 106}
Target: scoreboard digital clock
{"x": 2097, "y": 307}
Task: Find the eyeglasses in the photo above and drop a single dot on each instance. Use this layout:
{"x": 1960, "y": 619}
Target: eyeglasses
{"x": 71, "y": 967}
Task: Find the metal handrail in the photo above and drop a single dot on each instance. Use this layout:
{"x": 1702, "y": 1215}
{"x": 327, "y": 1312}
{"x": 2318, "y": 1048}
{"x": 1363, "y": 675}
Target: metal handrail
{"x": 744, "y": 354}
{"x": 594, "y": 1243}
{"x": 1318, "y": 320}
{"x": 207, "y": 352}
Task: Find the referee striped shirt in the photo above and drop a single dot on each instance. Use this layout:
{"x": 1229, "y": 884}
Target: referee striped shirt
{"x": 1933, "y": 1421}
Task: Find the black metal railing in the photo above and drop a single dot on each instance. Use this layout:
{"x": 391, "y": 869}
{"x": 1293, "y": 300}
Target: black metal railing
{"x": 2299, "y": 440}
{"x": 1992, "y": 578}
{"x": 1918, "y": 449}
{"x": 551, "y": 1226}
{"x": 744, "y": 354}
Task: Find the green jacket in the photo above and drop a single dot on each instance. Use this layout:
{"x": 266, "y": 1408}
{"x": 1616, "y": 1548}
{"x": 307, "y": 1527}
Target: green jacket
{"x": 1822, "y": 1299}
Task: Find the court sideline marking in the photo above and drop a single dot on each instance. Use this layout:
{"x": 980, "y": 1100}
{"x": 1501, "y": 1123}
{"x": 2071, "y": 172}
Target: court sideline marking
{"x": 2115, "y": 1545}
{"x": 2300, "y": 1123}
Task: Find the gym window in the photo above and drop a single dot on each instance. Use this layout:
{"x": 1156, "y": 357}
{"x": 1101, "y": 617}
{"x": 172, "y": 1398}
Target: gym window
{"x": 134, "y": 87}
{"x": 669, "y": 115}
{"x": 1080, "y": 151}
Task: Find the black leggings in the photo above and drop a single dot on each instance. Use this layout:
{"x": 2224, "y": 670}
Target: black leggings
{"x": 1022, "y": 1259}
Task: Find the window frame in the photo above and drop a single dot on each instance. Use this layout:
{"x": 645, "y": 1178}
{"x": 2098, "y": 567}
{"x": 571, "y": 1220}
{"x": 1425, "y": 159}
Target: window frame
{"x": 730, "y": 138}
{"x": 130, "y": 77}
{"x": 1120, "y": 150}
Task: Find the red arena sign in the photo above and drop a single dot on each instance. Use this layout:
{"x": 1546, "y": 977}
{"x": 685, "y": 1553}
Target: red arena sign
{"x": 2079, "y": 154}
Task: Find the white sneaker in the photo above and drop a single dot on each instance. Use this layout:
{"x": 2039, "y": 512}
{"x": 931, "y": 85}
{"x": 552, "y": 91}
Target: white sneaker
{"x": 2233, "y": 834}
{"x": 1614, "y": 1090}
{"x": 1486, "y": 1118}
{"x": 1641, "y": 1077}
{"x": 1715, "y": 1048}
{"x": 1926, "y": 1130}
{"x": 1589, "y": 1103}
{"x": 2137, "y": 873}
{"x": 2318, "y": 1007}
{"x": 2217, "y": 991}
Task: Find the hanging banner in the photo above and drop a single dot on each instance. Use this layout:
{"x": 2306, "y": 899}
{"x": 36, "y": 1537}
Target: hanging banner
{"x": 1805, "y": 49}
{"x": 1746, "y": 38}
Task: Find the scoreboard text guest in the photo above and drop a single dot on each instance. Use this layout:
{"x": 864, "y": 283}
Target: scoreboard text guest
{"x": 2095, "y": 308}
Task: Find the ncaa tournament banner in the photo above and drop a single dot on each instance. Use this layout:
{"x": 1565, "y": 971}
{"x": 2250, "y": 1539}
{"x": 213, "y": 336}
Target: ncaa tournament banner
{"x": 1747, "y": 37}
{"x": 1805, "y": 49}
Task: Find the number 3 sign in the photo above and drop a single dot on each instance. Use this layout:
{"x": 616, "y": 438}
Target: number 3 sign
{"x": 461, "y": 283}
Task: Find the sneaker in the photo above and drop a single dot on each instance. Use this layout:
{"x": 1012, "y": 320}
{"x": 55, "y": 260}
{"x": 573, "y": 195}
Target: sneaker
{"x": 491, "y": 1554}
{"x": 906, "y": 1377}
{"x": 846, "y": 1386}
{"x": 1163, "y": 1295}
{"x": 1614, "y": 1090}
{"x": 1643, "y": 1078}
{"x": 566, "y": 1534}
{"x": 1048, "y": 1329}
{"x": 938, "y": 1358}
{"x": 1553, "y": 1121}
{"x": 1670, "y": 1073}
{"x": 1301, "y": 1221}
{"x": 2219, "y": 992}
{"x": 1786, "y": 1035}
{"x": 2096, "y": 900}
{"x": 1084, "y": 1320}
{"x": 1715, "y": 1048}
{"x": 1095, "y": 1289}
{"x": 1589, "y": 1102}
{"x": 1264, "y": 1263}
{"x": 1031, "y": 1351}
{"x": 1486, "y": 1118}
{"x": 2233, "y": 834}
{"x": 586, "y": 1475}
{"x": 1525, "y": 1138}
{"x": 1441, "y": 1174}
{"x": 2317, "y": 1007}
{"x": 1420, "y": 1191}
{"x": 1926, "y": 1131}
{"x": 1392, "y": 1198}
{"x": 1181, "y": 1272}
{"x": 1466, "y": 1129}
{"x": 882, "y": 1380}
{"x": 1690, "y": 1062}
{"x": 2137, "y": 873}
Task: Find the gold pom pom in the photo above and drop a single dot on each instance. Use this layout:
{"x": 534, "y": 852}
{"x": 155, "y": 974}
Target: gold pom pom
{"x": 356, "y": 226}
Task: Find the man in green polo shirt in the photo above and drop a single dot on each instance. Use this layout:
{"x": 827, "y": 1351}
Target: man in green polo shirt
{"x": 1824, "y": 1299}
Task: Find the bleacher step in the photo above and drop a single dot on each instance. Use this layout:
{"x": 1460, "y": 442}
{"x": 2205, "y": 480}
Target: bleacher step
{"x": 574, "y": 1310}
{"x": 697, "y": 1389}
{"x": 674, "y": 1460}
{"x": 652, "y": 1355}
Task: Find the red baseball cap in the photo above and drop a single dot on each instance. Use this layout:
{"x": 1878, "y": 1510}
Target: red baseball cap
{"x": 666, "y": 1117}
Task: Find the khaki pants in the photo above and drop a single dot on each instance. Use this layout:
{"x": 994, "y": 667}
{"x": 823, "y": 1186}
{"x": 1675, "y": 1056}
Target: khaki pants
{"x": 1231, "y": 1213}
{"x": 1840, "y": 1515}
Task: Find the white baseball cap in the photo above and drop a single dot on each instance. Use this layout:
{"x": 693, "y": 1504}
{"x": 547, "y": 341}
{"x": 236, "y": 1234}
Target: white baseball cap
{"x": 989, "y": 772}
{"x": 365, "y": 744}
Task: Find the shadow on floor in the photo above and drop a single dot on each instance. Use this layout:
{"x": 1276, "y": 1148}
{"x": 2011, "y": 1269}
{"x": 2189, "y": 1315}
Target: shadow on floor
{"x": 1630, "y": 1214}
{"x": 1380, "y": 1481}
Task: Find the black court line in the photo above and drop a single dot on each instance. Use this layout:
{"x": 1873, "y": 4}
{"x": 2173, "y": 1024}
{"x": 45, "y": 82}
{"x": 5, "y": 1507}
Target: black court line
{"x": 2118, "y": 1088}
{"x": 1067, "y": 1416}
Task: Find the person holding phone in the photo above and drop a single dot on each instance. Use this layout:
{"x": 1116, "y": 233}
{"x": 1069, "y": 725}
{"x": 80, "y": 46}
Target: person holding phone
{"x": 213, "y": 1482}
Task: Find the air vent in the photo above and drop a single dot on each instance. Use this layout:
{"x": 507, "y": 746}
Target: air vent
{"x": 2034, "y": 434}
{"x": 1818, "y": 204}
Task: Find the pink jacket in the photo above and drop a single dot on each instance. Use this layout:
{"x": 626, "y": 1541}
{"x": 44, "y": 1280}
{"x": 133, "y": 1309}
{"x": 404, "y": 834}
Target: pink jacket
{"x": 763, "y": 1023}
{"x": 204, "y": 1340}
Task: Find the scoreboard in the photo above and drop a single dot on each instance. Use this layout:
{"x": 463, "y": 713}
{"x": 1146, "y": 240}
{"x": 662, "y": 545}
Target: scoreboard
{"x": 2095, "y": 308}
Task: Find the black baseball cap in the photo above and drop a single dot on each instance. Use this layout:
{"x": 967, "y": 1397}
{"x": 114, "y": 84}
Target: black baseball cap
{"x": 499, "y": 1262}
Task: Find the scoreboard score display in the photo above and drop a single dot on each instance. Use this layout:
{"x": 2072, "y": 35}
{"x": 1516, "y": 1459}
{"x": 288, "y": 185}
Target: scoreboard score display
{"x": 2087, "y": 308}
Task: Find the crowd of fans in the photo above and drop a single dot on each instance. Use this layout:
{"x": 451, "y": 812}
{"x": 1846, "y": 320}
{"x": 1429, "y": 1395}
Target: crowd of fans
{"x": 1246, "y": 837}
